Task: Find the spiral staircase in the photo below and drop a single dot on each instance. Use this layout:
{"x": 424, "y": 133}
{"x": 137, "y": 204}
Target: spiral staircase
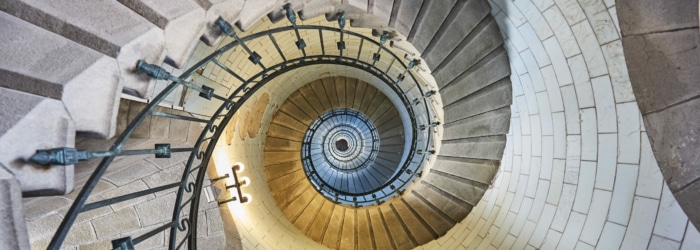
{"x": 435, "y": 156}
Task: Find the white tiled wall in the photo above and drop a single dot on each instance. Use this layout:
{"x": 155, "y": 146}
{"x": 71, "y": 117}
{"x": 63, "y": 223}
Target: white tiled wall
{"x": 578, "y": 171}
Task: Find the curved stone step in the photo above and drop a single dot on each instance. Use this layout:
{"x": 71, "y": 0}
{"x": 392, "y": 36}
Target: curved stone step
{"x": 35, "y": 63}
{"x": 182, "y": 22}
{"x": 431, "y": 16}
{"x": 109, "y": 28}
{"x": 24, "y": 130}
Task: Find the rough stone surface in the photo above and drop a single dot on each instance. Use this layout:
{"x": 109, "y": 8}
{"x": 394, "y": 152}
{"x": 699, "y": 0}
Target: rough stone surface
{"x": 13, "y": 233}
{"x": 647, "y": 16}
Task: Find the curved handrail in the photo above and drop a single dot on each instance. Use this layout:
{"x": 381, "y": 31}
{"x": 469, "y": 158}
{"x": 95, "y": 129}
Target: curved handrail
{"x": 213, "y": 130}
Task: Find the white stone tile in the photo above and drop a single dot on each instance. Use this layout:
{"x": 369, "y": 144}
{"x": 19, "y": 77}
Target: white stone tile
{"x": 573, "y": 158}
{"x": 523, "y": 211}
{"x": 615, "y": 58}
{"x": 560, "y": 135}
{"x": 519, "y": 193}
{"x": 512, "y": 34}
{"x": 671, "y": 220}
{"x": 584, "y": 191}
{"x": 533, "y": 69}
{"x": 534, "y": 16}
{"x": 524, "y": 236}
{"x": 571, "y": 110}
{"x": 539, "y": 201}
{"x": 609, "y": 3}
{"x": 562, "y": 31}
{"x": 527, "y": 154}
{"x": 573, "y": 229}
{"x": 543, "y": 4}
{"x": 553, "y": 94}
{"x": 536, "y": 131}
{"x": 583, "y": 246}
{"x": 515, "y": 80}
{"x": 663, "y": 243}
{"x": 590, "y": 49}
{"x": 533, "y": 177}
{"x": 613, "y": 15}
{"x": 542, "y": 225}
{"x": 592, "y": 6}
{"x": 612, "y": 235}
{"x": 557, "y": 182}
{"x": 545, "y": 114}
{"x": 547, "y": 157}
{"x": 513, "y": 55}
{"x": 650, "y": 180}
{"x": 529, "y": 91}
{"x": 515, "y": 175}
{"x": 517, "y": 135}
{"x": 623, "y": 194}
{"x": 605, "y": 104}
{"x": 552, "y": 239}
{"x": 524, "y": 115}
{"x": 535, "y": 45}
{"x": 503, "y": 231}
{"x": 559, "y": 64}
{"x": 511, "y": 11}
{"x": 597, "y": 215}
{"x": 692, "y": 238}
{"x": 602, "y": 23}
{"x": 564, "y": 208}
{"x": 508, "y": 242}
{"x": 584, "y": 92}
{"x": 641, "y": 223}
{"x": 607, "y": 161}
{"x": 629, "y": 133}
{"x": 571, "y": 10}
{"x": 589, "y": 135}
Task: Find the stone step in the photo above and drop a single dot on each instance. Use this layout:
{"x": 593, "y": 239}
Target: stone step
{"x": 35, "y": 62}
{"x": 102, "y": 25}
{"x": 13, "y": 233}
{"x": 481, "y": 171}
{"x": 404, "y": 14}
{"x": 493, "y": 97}
{"x": 450, "y": 207}
{"x": 483, "y": 39}
{"x": 489, "y": 123}
{"x": 24, "y": 130}
{"x": 182, "y": 22}
{"x": 434, "y": 220}
{"x": 431, "y": 16}
{"x": 487, "y": 147}
{"x": 463, "y": 18}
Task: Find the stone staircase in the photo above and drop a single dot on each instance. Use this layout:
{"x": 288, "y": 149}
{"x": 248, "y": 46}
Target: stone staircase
{"x": 68, "y": 63}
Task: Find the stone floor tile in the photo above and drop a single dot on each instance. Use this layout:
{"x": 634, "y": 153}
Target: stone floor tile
{"x": 671, "y": 218}
{"x": 623, "y": 194}
{"x": 589, "y": 135}
{"x": 559, "y": 135}
{"x": 545, "y": 114}
{"x": 641, "y": 223}
{"x": 597, "y": 214}
{"x": 543, "y": 223}
{"x": 590, "y": 49}
{"x": 113, "y": 224}
{"x": 557, "y": 183}
{"x": 628, "y": 133}
{"x": 561, "y": 217}
{"x": 562, "y": 31}
{"x": 534, "y": 16}
{"x": 605, "y": 104}
{"x": 583, "y": 246}
{"x": 615, "y": 58}
{"x": 650, "y": 181}
{"x": 573, "y": 229}
{"x": 526, "y": 81}
{"x": 573, "y": 159}
{"x": 584, "y": 190}
{"x": 535, "y": 45}
{"x": 559, "y": 65}
{"x": 552, "y": 239}
{"x": 582, "y": 82}
{"x": 536, "y": 138}
{"x": 612, "y": 236}
{"x": 607, "y": 161}
{"x": 663, "y": 243}
{"x": 547, "y": 157}
{"x": 539, "y": 201}
{"x": 573, "y": 122}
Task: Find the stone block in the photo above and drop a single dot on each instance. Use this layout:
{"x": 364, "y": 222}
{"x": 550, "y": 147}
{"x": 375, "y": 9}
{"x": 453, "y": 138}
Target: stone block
{"x": 112, "y": 224}
{"x": 80, "y": 234}
{"x": 672, "y": 133}
{"x": 182, "y": 22}
{"x": 24, "y": 130}
{"x": 13, "y": 233}
{"x": 131, "y": 173}
{"x": 104, "y": 26}
{"x": 662, "y": 67}
{"x": 35, "y": 63}
{"x": 152, "y": 212}
{"x": 688, "y": 199}
{"x": 127, "y": 189}
{"x": 648, "y": 16}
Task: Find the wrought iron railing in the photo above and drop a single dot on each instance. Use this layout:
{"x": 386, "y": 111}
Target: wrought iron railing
{"x": 183, "y": 224}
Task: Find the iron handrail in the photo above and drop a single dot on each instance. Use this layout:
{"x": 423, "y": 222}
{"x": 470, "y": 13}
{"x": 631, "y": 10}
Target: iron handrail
{"x": 212, "y": 131}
